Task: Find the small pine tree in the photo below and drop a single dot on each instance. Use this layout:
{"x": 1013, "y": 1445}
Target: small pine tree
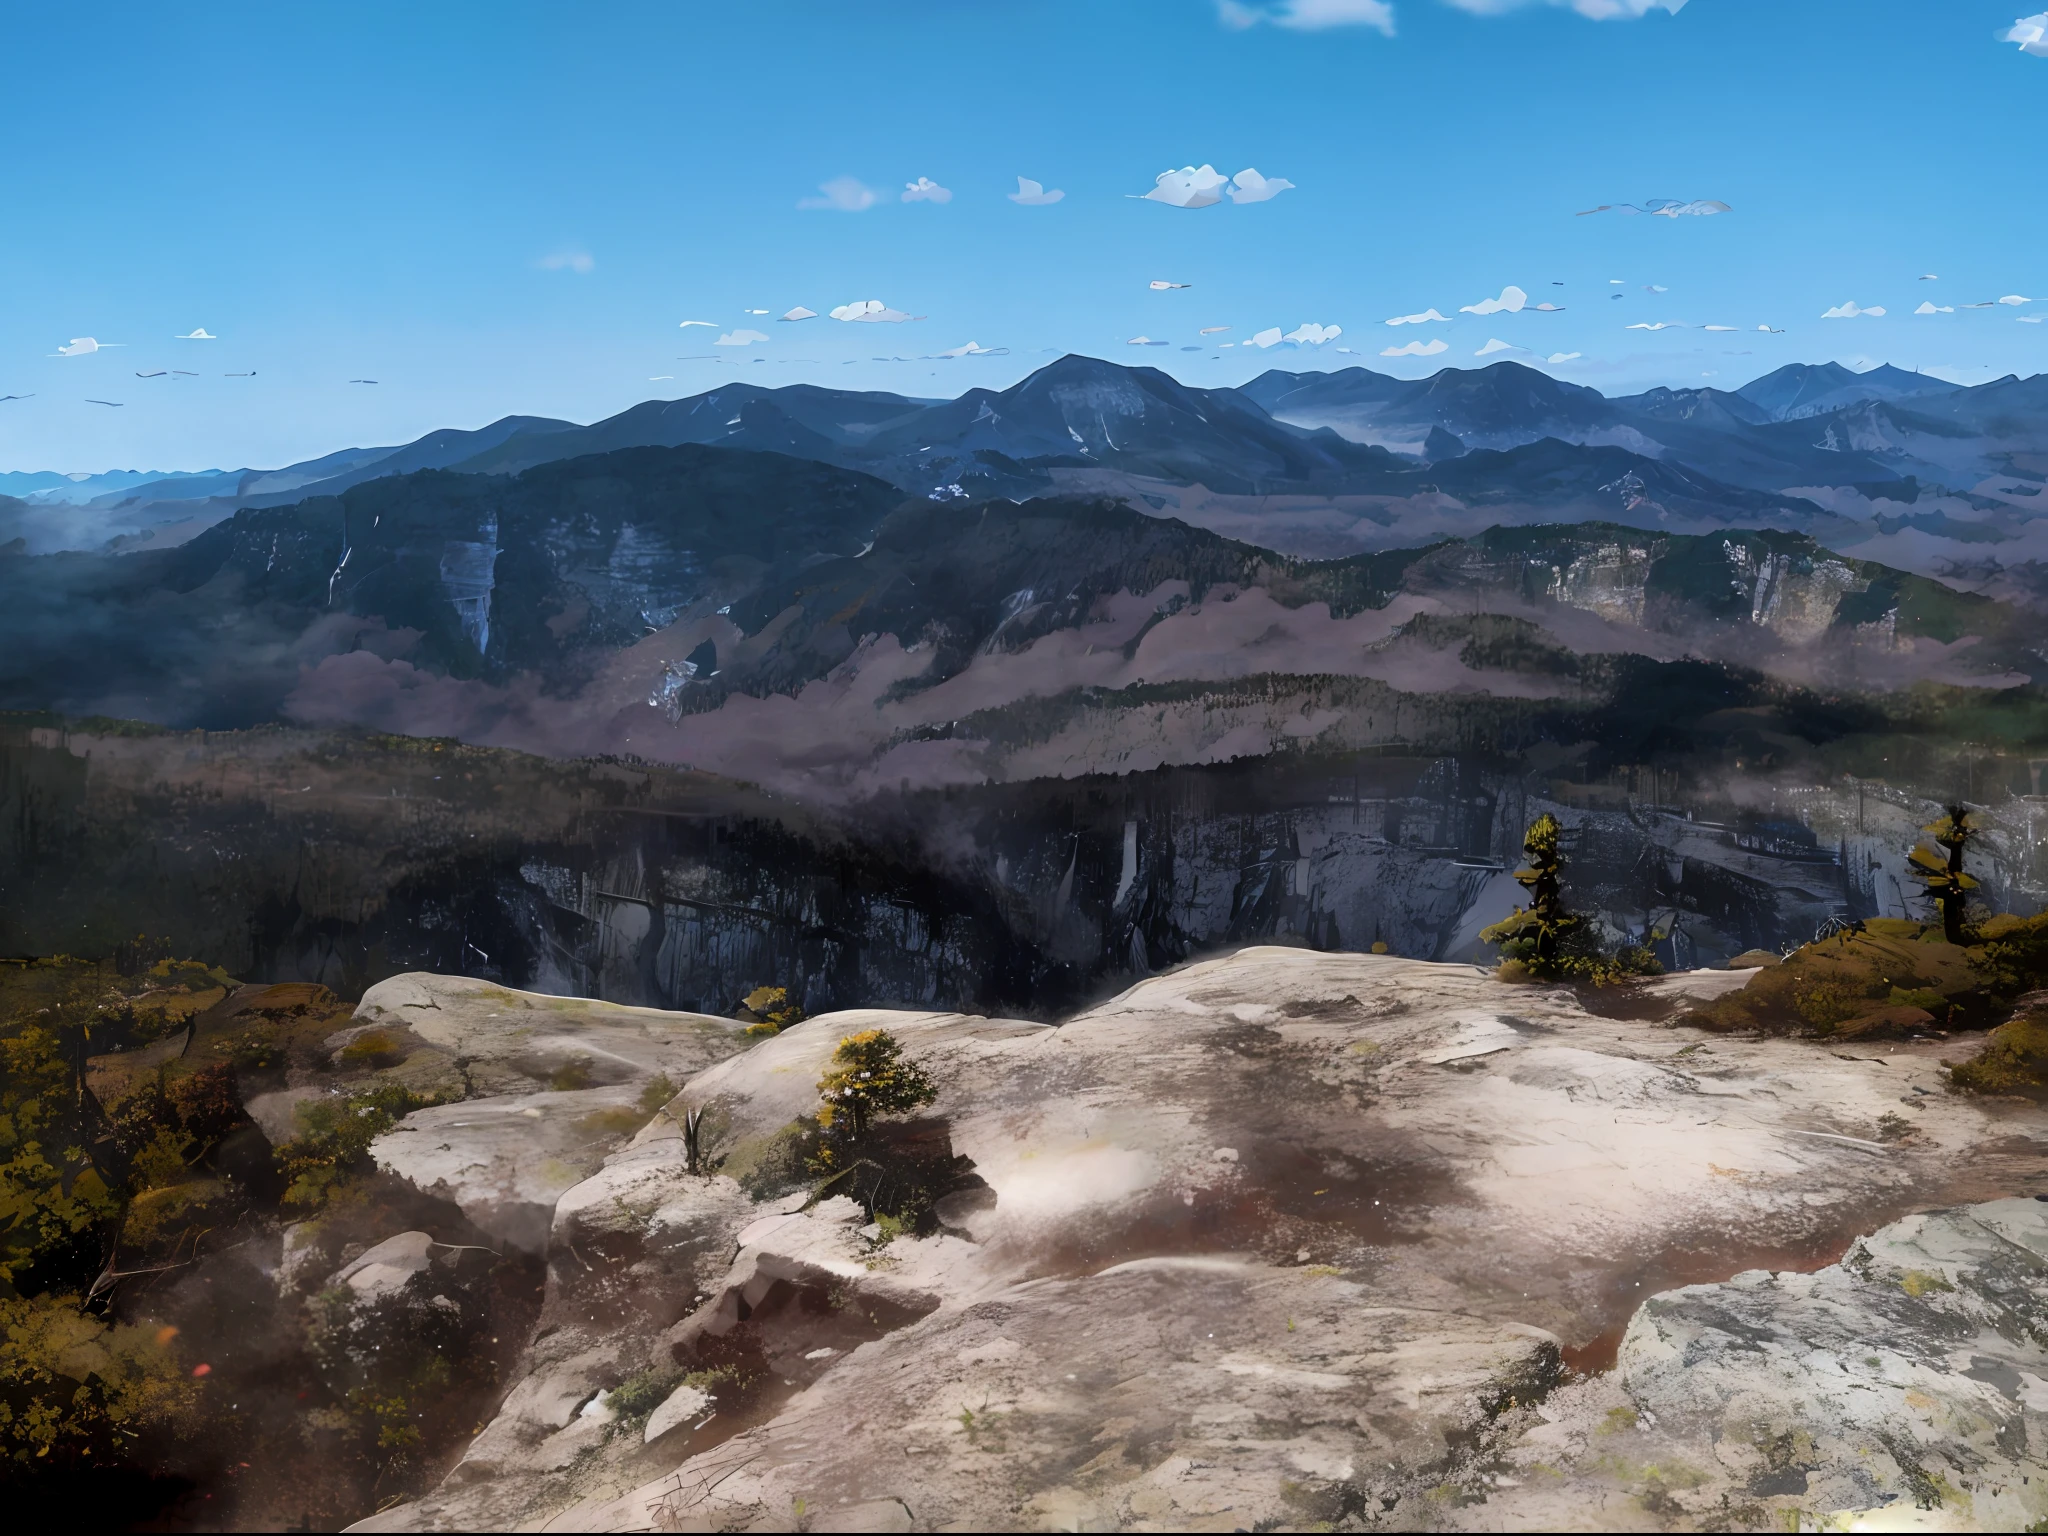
{"x": 1947, "y": 886}
{"x": 1535, "y": 934}
{"x": 869, "y": 1077}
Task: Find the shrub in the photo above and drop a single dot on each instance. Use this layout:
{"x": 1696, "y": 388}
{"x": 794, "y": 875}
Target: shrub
{"x": 1872, "y": 980}
{"x": 61, "y": 1165}
{"x": 335, "y": 1144}
{"x": 77, "y": 1388}
{"x": 634, "y": 1400}
{"x": 2014, "y": 1059}
{"x": 397, "y": 1369}
{"x": 207, "y": 1103}
{"x": 869, "y": 1077}
{"x": 768, "y": 1011}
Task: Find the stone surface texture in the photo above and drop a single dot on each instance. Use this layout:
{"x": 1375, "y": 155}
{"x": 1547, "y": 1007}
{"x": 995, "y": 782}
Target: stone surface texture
{"x": 1284, "y": 1240}
{"x": 505, "y": 1153}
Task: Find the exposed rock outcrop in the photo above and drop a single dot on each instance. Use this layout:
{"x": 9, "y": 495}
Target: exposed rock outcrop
{"x": 1285, "y": 1238}
{"x": 503, "y": 1155}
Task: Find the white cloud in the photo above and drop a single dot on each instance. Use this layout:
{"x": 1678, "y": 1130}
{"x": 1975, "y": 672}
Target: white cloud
{"x": 1032, "y": 194}
{"x": 1564, "y": 357}
{"x": 872, "y": 311}
{"x": 1311, "y": 15}
{"x": 739, "y": 339}
{"x": 578, "y": 262}
{"x": 1425, "y": 317}
{"x": 843, "y": 193}
{"x": 82, "y": 346}
{"x": 1661, "y": 325}
{"x": 1929, "y": 307}
{"x": 974, "y": 349}
{"x": 1655, "y": 288}
{"x": 1143, "y": 341}
{"x": 1547, "y": 309}
{"x": 1495, "y": 344}
{"x": 1248, "y": 186}
{"x": 1720, "y": 327}
{"x": 1772, "y": 330}
{"x": 1212, "y": 330}
{"x": 1510, "y": 302}
{"x": 1203, "y": 186}
{"x": 2031, "y": 33}
{"x": 2015, "y": 300}
{"x": 1594, "y": 10}
{"x": 711, "y": 325}
{"x": 925, "y": 190}
{"x": 1851, "y": 311}
{"x": 199, "y": 334}
{"x": 1417, "y": 349}
{"x": 1269, "y": 337}
{"x": 1665, "y": 208}
{"x": 1159, "y": 285}
{"x": 1191, "y": 186}
{"x": 800, "y": 313}
{"x": 1310, "y": 334}
{"x": 1929, "y": 277}
{"x": 2032, "y": 319}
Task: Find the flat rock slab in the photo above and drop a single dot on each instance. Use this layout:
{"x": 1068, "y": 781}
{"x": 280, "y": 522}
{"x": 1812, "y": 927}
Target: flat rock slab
{"x": 1166, "y": 1394}
{"x": 505, "y": 1161}
{"x": 1466, "y": 1142}
{"x": 509, "y": 1041}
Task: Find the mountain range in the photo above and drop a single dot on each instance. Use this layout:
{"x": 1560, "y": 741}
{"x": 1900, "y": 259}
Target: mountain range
{"x": 814, "y": 629}
{"x": 962, "y": 630}
{"x": 1905, "y": 468}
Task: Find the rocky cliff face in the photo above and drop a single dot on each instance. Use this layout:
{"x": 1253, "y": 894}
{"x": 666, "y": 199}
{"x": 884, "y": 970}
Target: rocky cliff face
{"x": 303, "y": 856}
{"x": 1281, "y": 1239}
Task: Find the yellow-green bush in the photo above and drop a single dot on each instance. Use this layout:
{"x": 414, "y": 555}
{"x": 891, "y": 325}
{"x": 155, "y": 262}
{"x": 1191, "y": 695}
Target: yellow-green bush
{"x": 2014, "y": 1059}
{"x": 334, "y": 1144}
{"x": 78, "y": 1388}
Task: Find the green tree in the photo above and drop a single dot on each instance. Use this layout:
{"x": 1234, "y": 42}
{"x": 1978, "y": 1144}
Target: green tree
{"x": 869, "y": 1076}
{"x": 1535, "y": 934}
{"x": 1947, "y": 886}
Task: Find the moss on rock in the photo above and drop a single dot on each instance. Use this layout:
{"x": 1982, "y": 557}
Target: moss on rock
{"x": 2015, "y": 1056}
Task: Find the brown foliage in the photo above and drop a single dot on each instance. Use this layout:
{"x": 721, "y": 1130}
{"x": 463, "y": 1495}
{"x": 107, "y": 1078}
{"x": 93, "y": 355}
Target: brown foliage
{"x": 1890, "y": 979}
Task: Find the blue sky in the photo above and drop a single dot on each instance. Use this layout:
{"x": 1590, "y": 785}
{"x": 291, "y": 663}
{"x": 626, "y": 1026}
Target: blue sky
{"x": 375, "y": 191}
